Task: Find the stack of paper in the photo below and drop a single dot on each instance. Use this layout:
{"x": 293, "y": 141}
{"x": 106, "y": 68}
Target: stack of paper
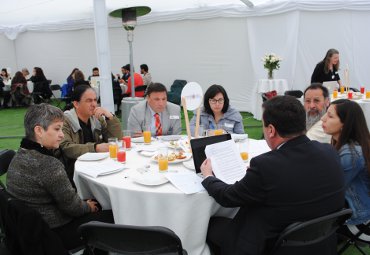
{"x": 95, "y": 169}
{"x": 188, "y": 183}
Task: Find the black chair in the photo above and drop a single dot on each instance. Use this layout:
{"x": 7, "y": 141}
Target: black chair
{"x": 24, "y": 230}
{"x": 294, "y": 93}
{"x": 305, "y": 234}
{"x": 174, "y": 95}
{"x": 356, "y": 235}
{"x": 6, "y": 157}
{"x": 141, "y": 88}
{"x": 54, "y": 88}
{"x": 130, "y": 239}
{"x": 42, "y": 92}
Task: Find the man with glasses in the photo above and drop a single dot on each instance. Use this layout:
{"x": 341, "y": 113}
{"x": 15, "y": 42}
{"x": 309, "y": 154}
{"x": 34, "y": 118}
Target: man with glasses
{"x": 316, "y": 101}
{"x": 162, "y": 117}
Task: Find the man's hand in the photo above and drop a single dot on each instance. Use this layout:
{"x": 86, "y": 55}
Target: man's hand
{"x": 102, "y": 147}
{"x": 100, "y": 111}
{"x": 206, "y": 168}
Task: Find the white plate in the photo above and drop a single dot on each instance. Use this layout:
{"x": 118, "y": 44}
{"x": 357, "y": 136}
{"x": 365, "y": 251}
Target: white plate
{"x": 188, "y": 156}
{"x": 366, "y": 99}
{"x": 147, "y": 153}
{"x": 140, "y": 139}
{"x": 93, "y": 156}
{"x": 149, "y": 178}
{"x": 189, "y": 164}
{"x": 168, "y": 138}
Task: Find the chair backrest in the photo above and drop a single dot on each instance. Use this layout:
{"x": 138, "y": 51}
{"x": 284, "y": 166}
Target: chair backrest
{"x": 268, "y": 95}
{"x": 294, "y": 93}
{"x": 141, "y": 88}
{"x": 130, "y": 239}
{"x": 54, "y": 87}
{"x": 6, "y": 157}
{"x": 312, "y": 231}
{"x": 25, "y": 230}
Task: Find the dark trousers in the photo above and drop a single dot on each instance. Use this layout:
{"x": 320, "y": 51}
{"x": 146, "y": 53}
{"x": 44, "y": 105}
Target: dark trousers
{"x": 217, "y": 228}
{"x": 68, "y": 232}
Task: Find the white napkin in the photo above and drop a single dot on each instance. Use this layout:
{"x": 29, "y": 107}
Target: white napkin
{"x": 92, "y": 156}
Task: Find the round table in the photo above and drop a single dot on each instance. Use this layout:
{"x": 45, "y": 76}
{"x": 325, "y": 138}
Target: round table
{"x": 162, "y": 205}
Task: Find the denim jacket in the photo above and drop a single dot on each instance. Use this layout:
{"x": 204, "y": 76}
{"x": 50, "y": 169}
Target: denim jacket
{"x": 231, "y": 122}
{"x": 357, "y": 182}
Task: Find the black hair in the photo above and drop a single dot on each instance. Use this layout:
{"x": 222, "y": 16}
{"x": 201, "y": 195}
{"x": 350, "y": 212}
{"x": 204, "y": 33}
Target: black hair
{"x": 211, "y": 92}
{"x": 79, "y": 91}
{"x": 144, "y": 67}
{"x": 325, "y": 91}
{"x": 156, "y": 87}
{"x": 286, "y": 114}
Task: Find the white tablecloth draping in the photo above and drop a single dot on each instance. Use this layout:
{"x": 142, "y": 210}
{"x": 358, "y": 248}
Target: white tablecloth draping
{"x": 163, "y": 205}
{"x": 364, "y": 103}
{"x": 266, "y": 85}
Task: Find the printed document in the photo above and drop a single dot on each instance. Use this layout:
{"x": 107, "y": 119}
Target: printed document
{"x": 226, "y": 162}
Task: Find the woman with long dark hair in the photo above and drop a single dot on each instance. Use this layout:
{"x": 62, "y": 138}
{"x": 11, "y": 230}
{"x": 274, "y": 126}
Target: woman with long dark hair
{"x": 345, "y": 121}
{"x": 41, "y": 89}
{"x": 19, "y": 91}
{"x": 327, "y": 69}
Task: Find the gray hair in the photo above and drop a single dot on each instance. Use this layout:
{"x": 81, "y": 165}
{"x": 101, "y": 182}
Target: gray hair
{"x": 41, "y": 115}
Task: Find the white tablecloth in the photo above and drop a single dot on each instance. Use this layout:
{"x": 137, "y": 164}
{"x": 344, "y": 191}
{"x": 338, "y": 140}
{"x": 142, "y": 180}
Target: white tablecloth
{"x": 265, "y": 85}
{"x": 163, "y": 205}
{"x": 365, "y": 106}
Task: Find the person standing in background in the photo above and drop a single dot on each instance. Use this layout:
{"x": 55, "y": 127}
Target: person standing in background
{"x": 147, "y": 77}
{"x": 327, "y": 69}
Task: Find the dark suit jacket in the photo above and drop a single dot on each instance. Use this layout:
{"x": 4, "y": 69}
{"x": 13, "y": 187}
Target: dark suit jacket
{"x": 301, "y": 180}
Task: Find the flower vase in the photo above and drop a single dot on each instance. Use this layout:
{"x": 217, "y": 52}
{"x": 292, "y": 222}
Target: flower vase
{"x": 270, "y": 74}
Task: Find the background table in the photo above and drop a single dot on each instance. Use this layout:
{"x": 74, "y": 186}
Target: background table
{"x": 262, "y": 86}
{"x": 163, "y": 205}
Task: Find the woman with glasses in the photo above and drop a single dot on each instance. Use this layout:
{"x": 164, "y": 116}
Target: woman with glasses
{"x": 217, "y": 112}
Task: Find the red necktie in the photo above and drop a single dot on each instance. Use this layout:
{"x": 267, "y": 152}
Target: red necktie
{"x": 158, "y": 126}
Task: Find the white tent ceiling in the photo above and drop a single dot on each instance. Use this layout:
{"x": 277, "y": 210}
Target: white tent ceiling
{"x": 208, "y": 41}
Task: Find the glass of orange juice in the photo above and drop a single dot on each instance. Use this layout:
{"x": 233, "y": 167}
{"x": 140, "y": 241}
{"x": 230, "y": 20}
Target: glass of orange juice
{"x": 147, "y": 135}
{"x": 335, "y": 93}
{"x": 367, "y": 94}
{"x": 162, "y": 159}
{"x": 342, "y": 89}
{"x": 218, "y": 131}
{"x": 244, "y": 149}
{"x": 113, "y": 147}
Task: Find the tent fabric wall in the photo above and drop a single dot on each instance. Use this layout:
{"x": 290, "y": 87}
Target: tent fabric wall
{"x": 221, "y": 50}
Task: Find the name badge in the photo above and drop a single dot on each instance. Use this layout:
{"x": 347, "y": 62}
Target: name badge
{"x": 174, "y": 117}
{"x": 229, "y": 125}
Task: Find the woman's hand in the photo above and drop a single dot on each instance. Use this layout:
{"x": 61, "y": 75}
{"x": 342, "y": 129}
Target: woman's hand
{"x": 93, "y": 205}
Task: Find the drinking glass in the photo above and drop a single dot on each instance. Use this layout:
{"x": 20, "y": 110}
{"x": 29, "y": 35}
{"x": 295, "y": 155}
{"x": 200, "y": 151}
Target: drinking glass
{"x": 113, "y": 147}
{"x": 367, "y": 94}
{"x": 362, "y": 90}
{"x": 147, "y": 135}
{"x": 342, "y": 89}
{"x": 350, "y": 94}
{"x": 335, "y": 93}
{"x": 121, "y": 154}
{"x": 163, "y": 159}
{"x": 127, "y": 139}
{"x": 244, "y": 149}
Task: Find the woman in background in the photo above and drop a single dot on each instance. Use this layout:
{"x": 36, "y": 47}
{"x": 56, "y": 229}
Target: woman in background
{"x": 41, "y": 89}
{"x": 79, "y": 79}
{"x": 345, "y": 121}
{"x": 38, "y": 178}
{"x": 19, "y": 90}
{"x": 327, "y": 69}
{"x": 217, "y": 112}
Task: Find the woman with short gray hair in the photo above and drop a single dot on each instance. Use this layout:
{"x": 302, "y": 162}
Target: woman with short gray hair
{"x": 38, "y": 178}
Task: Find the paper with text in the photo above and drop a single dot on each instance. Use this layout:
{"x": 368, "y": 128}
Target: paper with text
{"x": 226, "y": 162}
{"x": 95, "y": 169}
{"x": 188, "y": 183}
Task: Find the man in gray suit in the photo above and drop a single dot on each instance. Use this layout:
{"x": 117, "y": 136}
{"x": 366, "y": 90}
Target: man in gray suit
{"x": 162, "y": 117}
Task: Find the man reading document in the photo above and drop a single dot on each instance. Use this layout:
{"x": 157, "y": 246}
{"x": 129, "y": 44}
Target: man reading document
{"x": 297, "y": 180}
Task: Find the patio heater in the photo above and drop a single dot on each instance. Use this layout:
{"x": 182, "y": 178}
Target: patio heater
{"x": 128, "y": 16}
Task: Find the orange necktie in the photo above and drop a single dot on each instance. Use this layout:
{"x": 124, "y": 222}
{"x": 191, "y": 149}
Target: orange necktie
{"x": 158, "y": 126}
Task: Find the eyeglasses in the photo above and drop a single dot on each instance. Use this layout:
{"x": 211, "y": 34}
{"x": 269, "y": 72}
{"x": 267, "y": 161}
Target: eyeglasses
{"x": 214, "y": 101}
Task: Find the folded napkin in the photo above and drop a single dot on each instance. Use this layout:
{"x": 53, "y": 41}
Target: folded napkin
{"x": 95, "y": 169}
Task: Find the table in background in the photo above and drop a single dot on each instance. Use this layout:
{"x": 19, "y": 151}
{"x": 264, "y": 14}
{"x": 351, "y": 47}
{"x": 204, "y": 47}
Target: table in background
{"x": 262, "y": 86}
{"x": 163, "y": 205}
